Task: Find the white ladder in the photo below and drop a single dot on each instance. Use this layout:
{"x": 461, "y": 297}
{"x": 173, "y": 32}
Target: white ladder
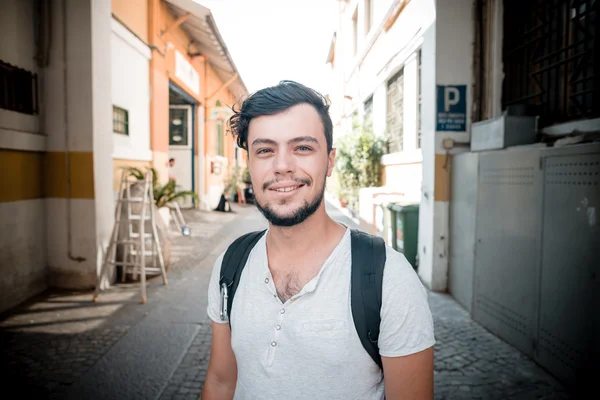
{"x": 134, "y": 243}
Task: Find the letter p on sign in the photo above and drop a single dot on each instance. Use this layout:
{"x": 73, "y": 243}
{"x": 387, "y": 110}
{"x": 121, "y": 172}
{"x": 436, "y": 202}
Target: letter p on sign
{"x": 451, "y": 97}
{"x": 451, "y": 108}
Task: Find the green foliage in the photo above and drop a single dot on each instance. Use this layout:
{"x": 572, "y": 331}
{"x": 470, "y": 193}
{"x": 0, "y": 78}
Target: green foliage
{"x": 246, "y": 176}
{"x": 163, "y": 194}
{"x": 234, "y": 180}
{"x": 168, "y": 193}
{"x": 358, "y": 161}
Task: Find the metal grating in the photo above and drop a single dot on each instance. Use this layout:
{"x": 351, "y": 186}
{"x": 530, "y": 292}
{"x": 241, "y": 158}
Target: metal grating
{"x": 508, "y": 175}
{"x": 18, "y": 89}
{"x": 395, "y": 112}
{"x": 573, "y": 173}
{"x": 567, "y": 356}
{"x": 551, "y": 58}
{"x": 509, "y": 317}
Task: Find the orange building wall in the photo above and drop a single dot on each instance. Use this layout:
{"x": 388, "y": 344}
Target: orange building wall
{"x": 134, "y": 14}
{"x": 162, "y": 69}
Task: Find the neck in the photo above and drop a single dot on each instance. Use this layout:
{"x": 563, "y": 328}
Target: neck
{"x": 312, "y": 233}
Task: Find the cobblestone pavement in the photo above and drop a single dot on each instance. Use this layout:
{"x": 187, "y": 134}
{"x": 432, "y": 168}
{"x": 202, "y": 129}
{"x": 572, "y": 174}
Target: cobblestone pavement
{"x": 60, "y": 346}
{"x": 472, "y": 363}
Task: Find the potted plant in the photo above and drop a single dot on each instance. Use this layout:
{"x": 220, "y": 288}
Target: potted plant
{"x": 163, "y": 194}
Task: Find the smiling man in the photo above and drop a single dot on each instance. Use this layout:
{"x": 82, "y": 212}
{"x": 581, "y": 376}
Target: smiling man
{"x": 290, "y": 332}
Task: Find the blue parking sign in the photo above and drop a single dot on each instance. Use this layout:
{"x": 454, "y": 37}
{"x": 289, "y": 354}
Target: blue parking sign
{"x": 451, "y": 108}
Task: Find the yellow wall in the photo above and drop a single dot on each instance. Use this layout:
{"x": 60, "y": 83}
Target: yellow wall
{"x": 119, "y": 164}
{"x": 38, "y": 174}
{"x": 134, "y": 14}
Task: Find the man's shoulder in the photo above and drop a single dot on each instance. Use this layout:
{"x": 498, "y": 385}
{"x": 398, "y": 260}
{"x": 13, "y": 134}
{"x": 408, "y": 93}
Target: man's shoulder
{"x": 252, "y": 239}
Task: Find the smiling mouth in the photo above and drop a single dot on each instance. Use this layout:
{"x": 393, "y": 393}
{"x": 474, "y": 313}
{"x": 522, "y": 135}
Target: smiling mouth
{"x": 287, "y": 189}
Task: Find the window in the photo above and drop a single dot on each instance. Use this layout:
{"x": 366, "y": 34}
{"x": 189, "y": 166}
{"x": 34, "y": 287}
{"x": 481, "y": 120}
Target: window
{"x": 355, "y": 32}
{"x": 419, "y": 97}
{"x": 551, "y": 63}
{"x": 395, "y": 112}
{"x": 220, "y": 139}
{"x": 120, "y": 120}
{"x": 18, "y": 89}
{"x": 178, "y": 126}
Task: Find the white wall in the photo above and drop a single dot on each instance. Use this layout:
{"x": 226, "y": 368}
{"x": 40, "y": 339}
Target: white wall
{"x": 102, "y": 117}
{"x": 427, "y": 206}
{"x": 23, "y": 238}
{"x": 131, "y": 91}
{"x": 392, "y": 51}
{"x": 22, "y": 251}
{"x": 87, "y": 129}
{"x": 453, "y": 60}
{"x": 17, "y": 48}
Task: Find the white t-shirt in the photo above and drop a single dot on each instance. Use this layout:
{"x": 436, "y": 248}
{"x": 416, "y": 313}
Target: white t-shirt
{"x": 308, "y": 347}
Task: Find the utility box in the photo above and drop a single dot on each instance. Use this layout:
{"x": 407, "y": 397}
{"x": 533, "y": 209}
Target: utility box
{"x": 502, "y": 132}
{"x": 405, "y": 230}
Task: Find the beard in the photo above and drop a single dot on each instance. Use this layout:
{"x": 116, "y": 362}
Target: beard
{"x": 297, "y": 217}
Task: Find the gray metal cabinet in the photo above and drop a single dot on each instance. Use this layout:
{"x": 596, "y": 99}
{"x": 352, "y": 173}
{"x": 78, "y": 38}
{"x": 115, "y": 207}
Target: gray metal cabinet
{"x": 569, "y": 319}
{"x": 507, "y": 235}
{"x": 464, "y": 178}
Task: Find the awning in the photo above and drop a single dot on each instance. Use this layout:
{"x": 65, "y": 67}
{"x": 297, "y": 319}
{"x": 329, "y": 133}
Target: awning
{"x": 202, "y": 29}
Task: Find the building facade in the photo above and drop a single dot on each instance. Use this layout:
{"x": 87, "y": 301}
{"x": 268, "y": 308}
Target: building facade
{"x": 88, "y": 87}
{"x": 492, "y": 112}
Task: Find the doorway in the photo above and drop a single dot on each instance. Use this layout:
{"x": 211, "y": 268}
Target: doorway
{"x": 181, "y": 149}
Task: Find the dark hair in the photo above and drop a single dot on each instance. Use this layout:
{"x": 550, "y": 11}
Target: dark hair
{"x": 171, "y": 159}
{"x": 275, "y": 99}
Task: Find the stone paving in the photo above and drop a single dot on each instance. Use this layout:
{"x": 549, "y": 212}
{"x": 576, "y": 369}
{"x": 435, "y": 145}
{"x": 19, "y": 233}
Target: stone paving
{"x": 472, "y": 363}
{"x": 57, "y": 341}
{"x": 51, "y": 341}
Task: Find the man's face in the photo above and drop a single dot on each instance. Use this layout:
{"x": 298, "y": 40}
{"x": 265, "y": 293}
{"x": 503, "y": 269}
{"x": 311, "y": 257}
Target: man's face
{"x": 289, "y": 163}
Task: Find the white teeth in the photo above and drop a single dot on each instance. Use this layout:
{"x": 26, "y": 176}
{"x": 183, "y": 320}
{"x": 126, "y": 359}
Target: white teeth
{"x": 287, "y": 189}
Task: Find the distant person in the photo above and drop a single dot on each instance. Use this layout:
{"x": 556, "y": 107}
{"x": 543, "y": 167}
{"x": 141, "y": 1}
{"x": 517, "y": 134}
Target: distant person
{"x": 291, "y": 332}
{"x": 170, "y": 164}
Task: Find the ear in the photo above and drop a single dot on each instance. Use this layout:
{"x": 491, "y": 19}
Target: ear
{"x": 331, "y": 162}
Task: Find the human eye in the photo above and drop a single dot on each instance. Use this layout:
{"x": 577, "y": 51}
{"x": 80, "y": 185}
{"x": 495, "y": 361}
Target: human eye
{"x": 263, "y": 151}
{"x": 304, "y": 148}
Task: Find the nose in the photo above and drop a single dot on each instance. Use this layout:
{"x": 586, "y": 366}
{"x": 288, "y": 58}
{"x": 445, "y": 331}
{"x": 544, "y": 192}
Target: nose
{"x": 284, "y": 163}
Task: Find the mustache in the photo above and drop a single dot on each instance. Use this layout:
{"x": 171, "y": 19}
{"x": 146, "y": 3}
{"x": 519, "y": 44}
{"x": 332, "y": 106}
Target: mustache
{"x": 302, "y": 181}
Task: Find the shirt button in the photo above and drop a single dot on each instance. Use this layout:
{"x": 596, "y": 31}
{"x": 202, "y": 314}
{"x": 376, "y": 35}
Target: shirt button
{"x": 266, "y": 280}
{"x": 273, "y": 344}
{"x": 282, "y": 311}
{"x": 278, "y": 327}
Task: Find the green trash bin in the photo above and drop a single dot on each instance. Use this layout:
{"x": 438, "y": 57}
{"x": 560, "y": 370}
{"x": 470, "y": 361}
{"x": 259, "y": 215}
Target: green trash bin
{"x": 405, "y": 229}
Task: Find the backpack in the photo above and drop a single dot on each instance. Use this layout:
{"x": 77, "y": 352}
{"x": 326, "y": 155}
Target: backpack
{"x": 368, "y": 261}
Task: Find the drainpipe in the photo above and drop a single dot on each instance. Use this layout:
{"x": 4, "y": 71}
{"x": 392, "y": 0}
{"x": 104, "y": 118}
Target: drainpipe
{"x": 67, "y": 153}
{"x": 205, "y": 128}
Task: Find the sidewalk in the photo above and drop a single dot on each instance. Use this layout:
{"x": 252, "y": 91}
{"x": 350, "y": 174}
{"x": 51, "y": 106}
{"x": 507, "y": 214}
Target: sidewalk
{"x": 61, "y": 345}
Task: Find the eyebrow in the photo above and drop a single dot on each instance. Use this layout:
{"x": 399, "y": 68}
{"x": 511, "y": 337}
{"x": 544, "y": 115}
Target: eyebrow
{"x": 294, "y": 140}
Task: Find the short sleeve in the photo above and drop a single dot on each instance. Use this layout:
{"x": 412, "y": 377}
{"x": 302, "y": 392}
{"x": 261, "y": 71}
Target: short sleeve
{"x": 214, "y": 293}
{"x": 406, "y": 320}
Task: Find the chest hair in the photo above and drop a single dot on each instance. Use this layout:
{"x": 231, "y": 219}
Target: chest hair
{"x": 288, "y": 284}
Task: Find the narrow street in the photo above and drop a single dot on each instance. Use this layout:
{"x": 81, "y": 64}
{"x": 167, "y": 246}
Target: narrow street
{"x": 61, "y": 345}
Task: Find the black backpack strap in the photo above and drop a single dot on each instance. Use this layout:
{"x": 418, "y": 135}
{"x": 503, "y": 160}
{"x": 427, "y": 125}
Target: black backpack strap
{"x": 368, "y": 262}
{"x": 233, "y": 264}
